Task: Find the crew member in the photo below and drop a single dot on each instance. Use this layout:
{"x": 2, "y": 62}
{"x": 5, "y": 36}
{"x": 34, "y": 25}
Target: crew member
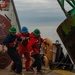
{"x": 34, "y": 46}
{"x": 22, "y": 47}
{"x": 11, "y": 43}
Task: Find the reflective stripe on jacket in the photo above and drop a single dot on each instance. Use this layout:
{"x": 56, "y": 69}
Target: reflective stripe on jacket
{"x": 12, "y": 44}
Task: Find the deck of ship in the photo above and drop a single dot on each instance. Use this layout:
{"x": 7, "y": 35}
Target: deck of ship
{"x": 7, "y": 71}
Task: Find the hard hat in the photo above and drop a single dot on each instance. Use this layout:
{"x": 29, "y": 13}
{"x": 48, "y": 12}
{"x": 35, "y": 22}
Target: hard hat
{"x": 36, "y": 32}
{"x": 24, "y": 29}
{"x": 12, "y": 29}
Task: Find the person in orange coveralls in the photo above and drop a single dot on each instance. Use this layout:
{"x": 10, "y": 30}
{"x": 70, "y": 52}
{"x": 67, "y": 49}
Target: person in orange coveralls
{"x": 34, "y": 46}
{"x": 22, "y": 47}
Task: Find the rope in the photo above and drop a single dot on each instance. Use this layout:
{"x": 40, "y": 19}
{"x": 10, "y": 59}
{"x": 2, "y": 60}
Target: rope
{"x": 56, "y": 65}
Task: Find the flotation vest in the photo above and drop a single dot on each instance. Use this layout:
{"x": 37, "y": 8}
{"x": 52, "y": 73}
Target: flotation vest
{"x": 5, "y": 4}
{"x": 12, "y": 44}
{"x": 25, "y": 42}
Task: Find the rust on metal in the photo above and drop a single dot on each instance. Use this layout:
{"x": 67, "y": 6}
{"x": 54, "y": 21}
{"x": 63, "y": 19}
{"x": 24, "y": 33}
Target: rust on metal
{"x": 5, "y": 60}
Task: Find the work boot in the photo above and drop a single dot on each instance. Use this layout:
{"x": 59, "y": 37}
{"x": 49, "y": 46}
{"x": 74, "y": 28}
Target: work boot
{"x": 12, "y": 70}
{"x": 35, "y": 70}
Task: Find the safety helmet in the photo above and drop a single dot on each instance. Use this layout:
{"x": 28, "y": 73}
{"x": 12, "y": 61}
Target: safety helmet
{"x": 36, "y": 32}
{"x": 12, "y": 29}
{"x": 24, "y": 29}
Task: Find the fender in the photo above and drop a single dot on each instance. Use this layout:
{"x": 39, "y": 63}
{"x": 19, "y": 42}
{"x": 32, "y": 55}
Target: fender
{"x": 48, "y": 49}
{"x": 46, "y": 61}
{"x": 5, "y": 4}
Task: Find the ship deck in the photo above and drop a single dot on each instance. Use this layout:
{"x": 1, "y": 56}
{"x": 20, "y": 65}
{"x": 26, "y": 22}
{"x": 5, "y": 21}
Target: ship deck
{"x": 7, "y": 71}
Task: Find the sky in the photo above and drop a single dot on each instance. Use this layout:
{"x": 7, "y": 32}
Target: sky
{"x": 39, "y": 12}
{"x": 45, "y": 15}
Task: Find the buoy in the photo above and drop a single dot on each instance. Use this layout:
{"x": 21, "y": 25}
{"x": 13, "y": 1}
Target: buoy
{"x": 3, "y": 3}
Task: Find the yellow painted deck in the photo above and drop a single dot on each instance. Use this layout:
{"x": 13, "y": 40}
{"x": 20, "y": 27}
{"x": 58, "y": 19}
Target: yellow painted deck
{"x": 7, "y": 71}
{"x": 64, "y": 72}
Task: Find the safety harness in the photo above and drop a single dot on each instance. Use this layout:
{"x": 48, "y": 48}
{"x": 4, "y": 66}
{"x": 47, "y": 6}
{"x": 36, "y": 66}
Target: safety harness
{"x": 12, "y": 44}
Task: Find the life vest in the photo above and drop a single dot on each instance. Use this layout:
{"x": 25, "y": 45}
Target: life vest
{"x": 12, "y": 44}
{"x": 5, "y": 4}
{"x": 25, "y": 42}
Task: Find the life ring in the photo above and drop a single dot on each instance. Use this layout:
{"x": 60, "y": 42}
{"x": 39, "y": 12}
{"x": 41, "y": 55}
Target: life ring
{"x": 4, "y": 5}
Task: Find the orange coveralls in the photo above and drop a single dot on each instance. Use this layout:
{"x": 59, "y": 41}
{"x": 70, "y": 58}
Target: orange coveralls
{"x": 22, "y": 49}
